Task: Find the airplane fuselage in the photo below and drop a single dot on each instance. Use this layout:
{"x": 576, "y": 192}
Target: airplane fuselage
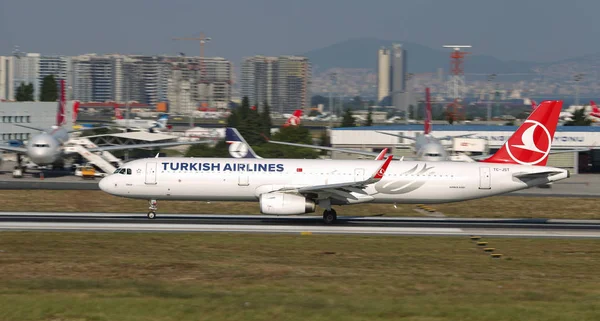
{"x": 219, "y": 179}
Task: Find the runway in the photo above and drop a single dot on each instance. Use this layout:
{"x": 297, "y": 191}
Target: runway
{"x": 422, "y": 226}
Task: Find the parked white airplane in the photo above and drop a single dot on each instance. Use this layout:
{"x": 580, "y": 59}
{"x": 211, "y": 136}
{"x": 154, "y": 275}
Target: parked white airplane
{"x": 294, "y": 186}
{"x": 141, "y": 124}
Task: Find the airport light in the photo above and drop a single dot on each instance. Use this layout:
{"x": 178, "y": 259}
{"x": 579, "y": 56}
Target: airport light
{"x": 577, "y": 78}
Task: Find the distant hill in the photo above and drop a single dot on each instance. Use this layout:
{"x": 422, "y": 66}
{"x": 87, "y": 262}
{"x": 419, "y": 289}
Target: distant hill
{"x": 362, "y": 53}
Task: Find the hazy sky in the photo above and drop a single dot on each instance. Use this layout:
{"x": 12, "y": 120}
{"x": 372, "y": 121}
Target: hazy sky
{"x": 540, "y": 30}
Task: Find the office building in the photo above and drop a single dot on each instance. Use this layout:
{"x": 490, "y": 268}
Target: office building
{"x": 398, "y": 76}
{"x": 383, "y": 73}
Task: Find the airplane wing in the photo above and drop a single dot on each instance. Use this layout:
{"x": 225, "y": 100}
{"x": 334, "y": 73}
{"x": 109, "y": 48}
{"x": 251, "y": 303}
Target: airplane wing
{"x": 457, "y": 136}
{"x": 13, "y": 149}
{"x": 559, "y": 151}
{"x": 344, "y": 187}
{"x": 397, "y": 135}
{"x": 351, "y": 151}
{"x": 132, "y": 146}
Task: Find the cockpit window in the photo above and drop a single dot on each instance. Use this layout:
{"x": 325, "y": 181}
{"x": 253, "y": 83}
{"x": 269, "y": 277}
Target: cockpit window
{"x": 123, "y": 171}
{"x": 432, "y": 155}
{"x": 41, "y": 145}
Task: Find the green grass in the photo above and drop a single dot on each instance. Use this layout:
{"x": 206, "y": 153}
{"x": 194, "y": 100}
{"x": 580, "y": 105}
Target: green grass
{"x": 496, "y": 207}
{"x": 180, "y": 276}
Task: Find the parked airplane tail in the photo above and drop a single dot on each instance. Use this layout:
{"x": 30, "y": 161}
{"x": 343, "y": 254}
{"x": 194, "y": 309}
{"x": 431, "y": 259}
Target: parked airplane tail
{"x": 533, "y": 104}
{"x": 60, "y": 114}
{"x": 595, "y": 108}
{"x": 75, "y": 110}
{"x": 163, "y": 119}
{"x": 531, "y": 142}
{"x": 118, "y": 114}
{"x": 238, "y": 147}
{"x": 295, "y": 119}
{"x": 427, "y": 122}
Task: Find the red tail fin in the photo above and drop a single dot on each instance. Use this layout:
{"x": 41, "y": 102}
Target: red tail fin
{"x": 531, "y": 143}
{"x": 75, "y": 110}
{"x": 533, "y": 104}
{"x": 118, "y": 114}
{"x": 295, "y": 119}
{"x": 594, "y": 106}
{"x": 60, "y": 114}
{"x": 427, "y": 112}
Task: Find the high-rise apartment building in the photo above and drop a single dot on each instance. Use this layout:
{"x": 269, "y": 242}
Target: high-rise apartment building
{"x": 398, "y": 85}
{"x": 282, "y": 82}
{"x": 259, "y": 80}
{"x": 58, "y": 66}
{"x": 383, "y": 73}
{"x": 206, "y": 81}
{"x": 6, "y": 79}
{"x": 26, "y": 70}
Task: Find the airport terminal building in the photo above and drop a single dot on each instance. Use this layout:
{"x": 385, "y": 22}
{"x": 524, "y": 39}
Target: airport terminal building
{"x": 33, "y": 114}
{"x": 566, "y": 137}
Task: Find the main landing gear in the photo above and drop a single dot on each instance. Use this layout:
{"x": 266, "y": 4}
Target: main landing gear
{"x": 152, "y": 209}
{"x": 329, "y": 216}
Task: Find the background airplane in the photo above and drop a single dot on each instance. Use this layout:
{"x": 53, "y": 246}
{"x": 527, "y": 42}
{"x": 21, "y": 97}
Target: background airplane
{"x": 426, "y": 146}
{"x": 141, "y": 124}
{"x": 47, "y": 147}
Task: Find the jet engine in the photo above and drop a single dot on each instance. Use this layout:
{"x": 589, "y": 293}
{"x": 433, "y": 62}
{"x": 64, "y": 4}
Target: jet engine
{"x": 285, "y": 204}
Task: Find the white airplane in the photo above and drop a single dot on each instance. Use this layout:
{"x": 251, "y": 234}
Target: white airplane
{"x": 297, "y": 186}
{"x": 141, "y": 124}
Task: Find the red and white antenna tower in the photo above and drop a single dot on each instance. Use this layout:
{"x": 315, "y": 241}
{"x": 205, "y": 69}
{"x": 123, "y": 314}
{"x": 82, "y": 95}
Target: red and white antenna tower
{"x": 456, "y": 85}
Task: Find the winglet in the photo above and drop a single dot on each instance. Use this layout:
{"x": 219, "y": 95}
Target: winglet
{"x": 382, "y": 154}
{"x": 381, "y": 171}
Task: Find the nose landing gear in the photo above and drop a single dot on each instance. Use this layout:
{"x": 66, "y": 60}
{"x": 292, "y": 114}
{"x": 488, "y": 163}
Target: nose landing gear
{"x": 152, "y": 209}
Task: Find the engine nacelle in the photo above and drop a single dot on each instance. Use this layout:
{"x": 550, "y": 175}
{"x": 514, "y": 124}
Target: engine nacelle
{"x": 285, "y": 204}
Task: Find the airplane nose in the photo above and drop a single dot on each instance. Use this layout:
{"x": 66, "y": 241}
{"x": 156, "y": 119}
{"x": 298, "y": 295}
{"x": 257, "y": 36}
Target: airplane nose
{"x": 105, "y": 184}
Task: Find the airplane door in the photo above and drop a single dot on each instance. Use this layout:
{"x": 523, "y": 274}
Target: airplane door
{"x": 485, "y": 179}
{"x": 243, "y": 180}
{"x": 359, "y": 174}
{"x": 151, "y": 173}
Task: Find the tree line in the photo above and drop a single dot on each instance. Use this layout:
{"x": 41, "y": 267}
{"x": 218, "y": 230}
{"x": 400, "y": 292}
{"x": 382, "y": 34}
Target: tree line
{"x": 48, "y": 90}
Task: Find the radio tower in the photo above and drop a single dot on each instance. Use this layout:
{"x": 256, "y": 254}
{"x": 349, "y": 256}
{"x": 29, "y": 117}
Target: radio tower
{"x": 456, "y": 85}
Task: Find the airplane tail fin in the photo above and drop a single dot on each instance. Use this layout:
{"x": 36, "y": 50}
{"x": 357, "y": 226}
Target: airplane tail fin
{"x": 295, "y": 119}
{"x": 163, "y": 119}
{"x": 238, "y": 147}
{"x": 530, "y": 144}
{"x": 75, "y": 110}
{"x": 533, "y": 104}
{"x": 427, "y": 122}
{"x": 118, "y": 114}
{"x": 594, "y": 107}
{"x": 60, "y": 114}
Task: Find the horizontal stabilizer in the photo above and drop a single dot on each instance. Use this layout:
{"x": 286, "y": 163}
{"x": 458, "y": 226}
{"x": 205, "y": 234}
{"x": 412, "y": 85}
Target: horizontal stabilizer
{"x": 536, "y": 175}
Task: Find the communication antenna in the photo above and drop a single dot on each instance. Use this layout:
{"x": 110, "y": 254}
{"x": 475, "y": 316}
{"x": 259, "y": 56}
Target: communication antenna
{"x": 456, "y": 85}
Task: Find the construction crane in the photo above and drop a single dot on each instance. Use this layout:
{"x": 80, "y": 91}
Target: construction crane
{"x": 202, "y": 40}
